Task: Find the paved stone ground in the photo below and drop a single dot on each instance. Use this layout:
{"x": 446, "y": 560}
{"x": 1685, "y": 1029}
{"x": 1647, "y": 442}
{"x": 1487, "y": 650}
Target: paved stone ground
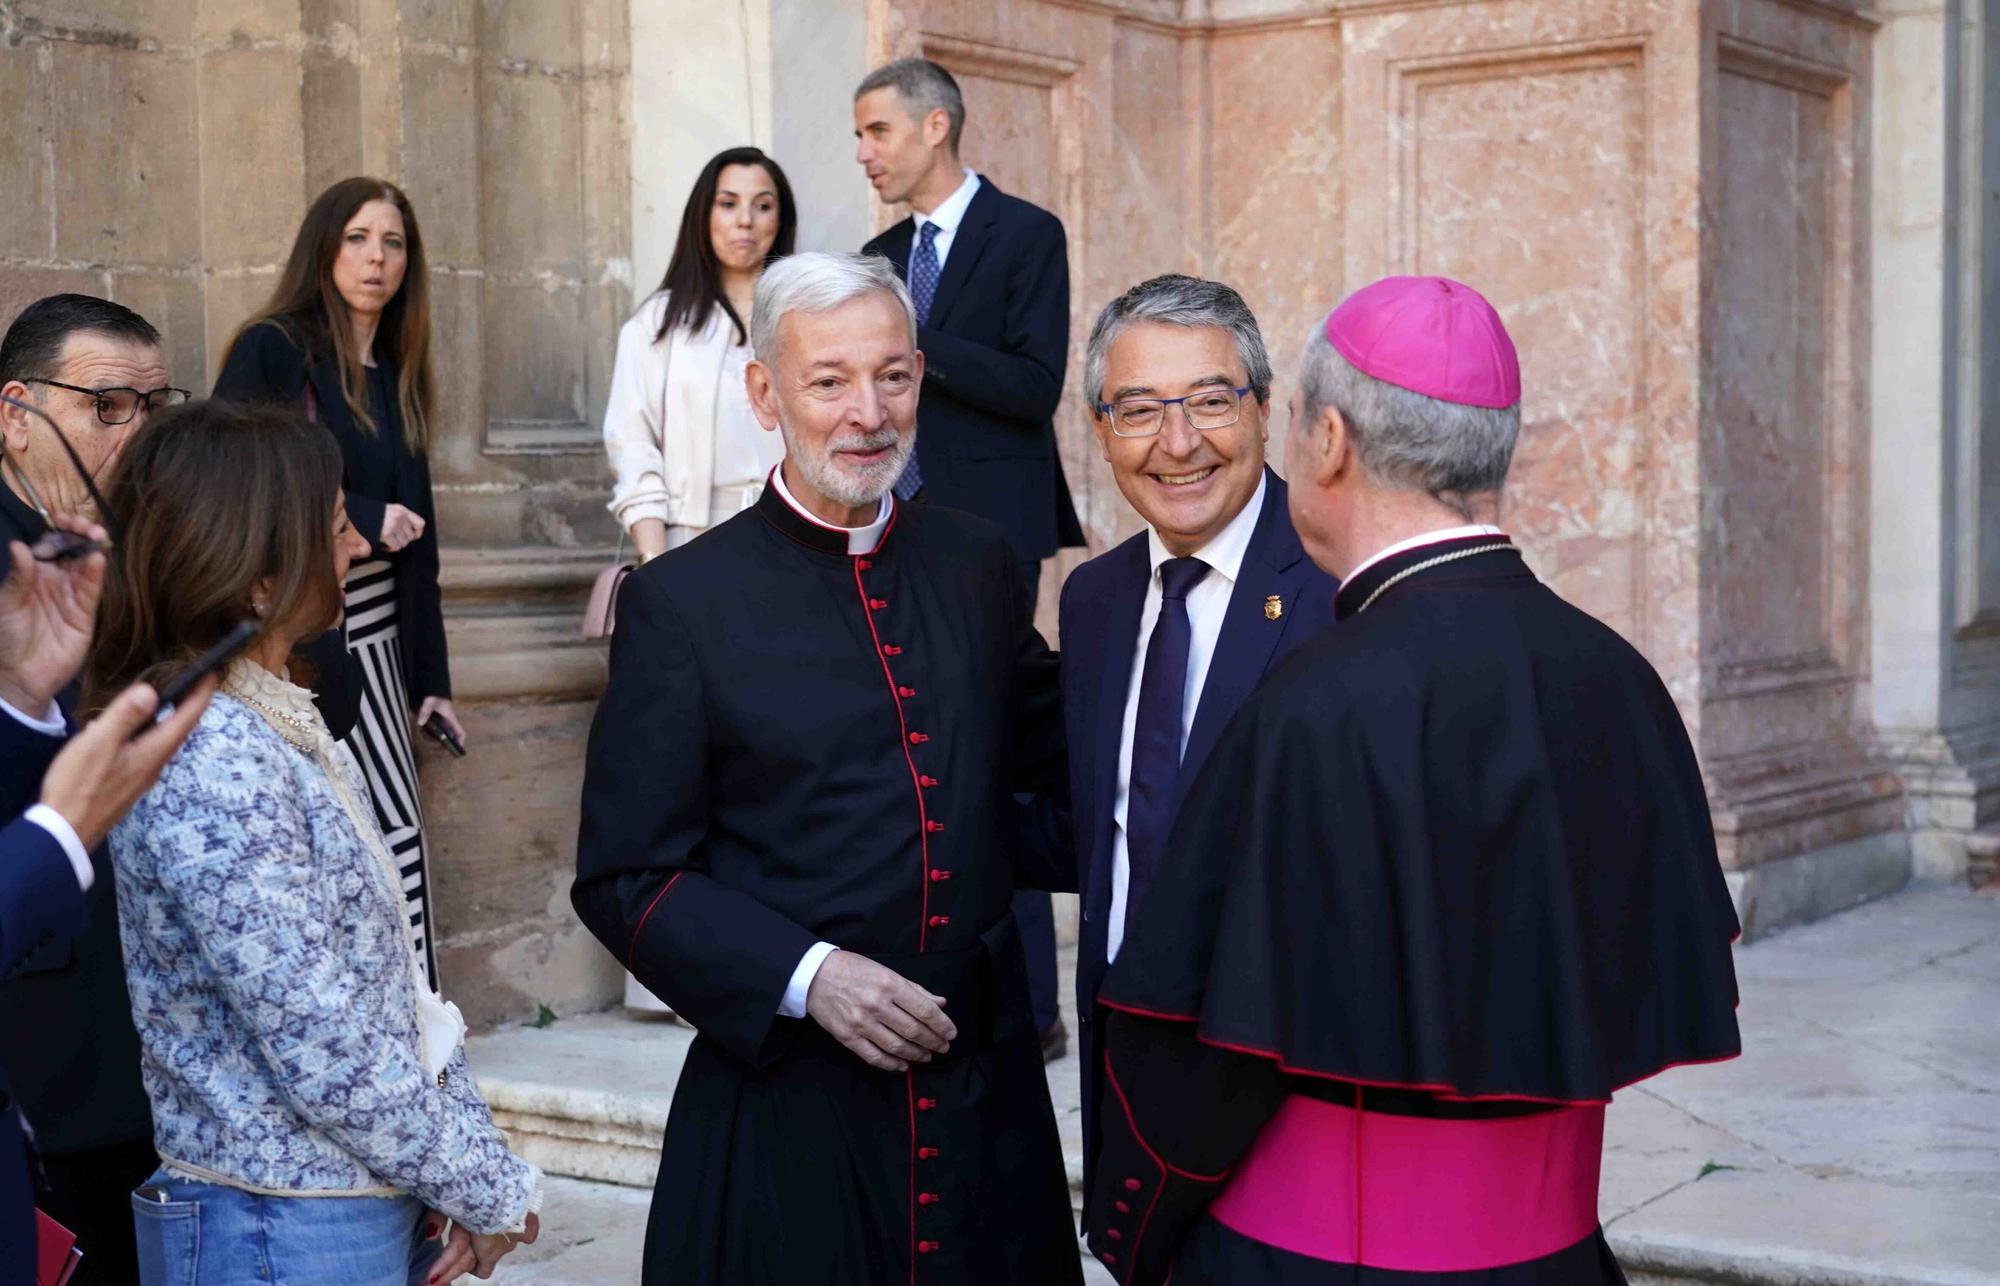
{"x": 1856, "y": 1143}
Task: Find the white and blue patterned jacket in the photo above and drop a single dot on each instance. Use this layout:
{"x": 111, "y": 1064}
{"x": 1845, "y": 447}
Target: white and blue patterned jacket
{"x": 271, "y": 985}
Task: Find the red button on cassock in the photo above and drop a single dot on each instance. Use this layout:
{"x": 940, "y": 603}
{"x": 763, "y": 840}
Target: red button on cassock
{"x": 906, "y": 693}
{"x": 933, "y": 826}
{"x": 890, "y": 649}
{"x": 919, "y": 738}
{"x": 939, "y": 877}
{"x": 1131, "y": 1185}
{"x": 877, "y": 604}
{"x": 1114, "y": 1234}
{"x": 1122, "y": 1208}
{"x": 927, "y": 782}
{"x": 926, "y": 1247}
{"x": 939, "y": 921}
{"x": 927, "y": 1154}
{"x": 926, "y": 1198}
{"x": 926, "y": 1104}
{"x": 1109, "y": 1258}
{"x": 863, "y": 564}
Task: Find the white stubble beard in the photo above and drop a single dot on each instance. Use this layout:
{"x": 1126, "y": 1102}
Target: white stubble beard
{"x": 850, "y": 487}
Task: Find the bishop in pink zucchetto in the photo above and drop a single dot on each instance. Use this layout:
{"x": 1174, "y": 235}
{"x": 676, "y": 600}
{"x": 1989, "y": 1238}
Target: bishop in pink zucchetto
{"x": 1471, "y": 885}
{"x": 1431, "y": 335}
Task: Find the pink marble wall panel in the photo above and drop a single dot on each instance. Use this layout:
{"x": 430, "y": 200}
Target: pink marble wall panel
{"x": 1528, "y": 181}
{"x": 1010, "y": 136}
{"x": 1272, "y": 195}
{"x": 1549, "y": 153}
{"x": 1768, "y": 412}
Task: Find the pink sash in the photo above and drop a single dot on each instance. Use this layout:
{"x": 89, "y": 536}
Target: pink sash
{"x": 1417, "y": 1194}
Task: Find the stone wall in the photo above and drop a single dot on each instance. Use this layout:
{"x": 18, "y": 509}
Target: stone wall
{"x": 1936, "y": 397}
{"x": 162, "y": 154}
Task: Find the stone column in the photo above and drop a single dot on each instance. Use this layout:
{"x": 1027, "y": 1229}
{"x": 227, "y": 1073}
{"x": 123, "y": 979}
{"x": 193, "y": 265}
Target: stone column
{"x": 1936, "y": 550}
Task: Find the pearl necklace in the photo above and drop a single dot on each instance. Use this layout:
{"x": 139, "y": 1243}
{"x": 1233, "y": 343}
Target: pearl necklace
{"x": 1426, "y": 565}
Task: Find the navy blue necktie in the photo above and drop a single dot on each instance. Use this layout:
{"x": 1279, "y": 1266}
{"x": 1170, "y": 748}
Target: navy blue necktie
{"x": 923, "y": 288}
{"x": 1154, "y": 791}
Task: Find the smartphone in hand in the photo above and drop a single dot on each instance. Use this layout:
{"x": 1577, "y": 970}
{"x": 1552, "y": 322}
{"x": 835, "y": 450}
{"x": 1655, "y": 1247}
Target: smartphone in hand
{"x": 442, "y": 733}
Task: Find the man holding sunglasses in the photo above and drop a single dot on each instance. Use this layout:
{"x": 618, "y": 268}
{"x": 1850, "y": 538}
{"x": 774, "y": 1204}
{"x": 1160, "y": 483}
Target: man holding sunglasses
{"x": 96, "y": 369}
{"x": 1164, "y": 636}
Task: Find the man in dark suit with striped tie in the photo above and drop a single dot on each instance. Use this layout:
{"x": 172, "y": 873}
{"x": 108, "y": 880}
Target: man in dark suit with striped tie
{"x": 1164, "y": 636}
{"x": 989, "y": 276}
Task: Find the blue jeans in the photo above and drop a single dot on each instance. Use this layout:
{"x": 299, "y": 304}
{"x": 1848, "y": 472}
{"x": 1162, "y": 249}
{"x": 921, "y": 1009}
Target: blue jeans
{"x": 205, "y": 1234}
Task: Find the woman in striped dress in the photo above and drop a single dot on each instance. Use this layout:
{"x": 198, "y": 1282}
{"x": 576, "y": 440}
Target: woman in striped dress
{"x": 347, "y": 335}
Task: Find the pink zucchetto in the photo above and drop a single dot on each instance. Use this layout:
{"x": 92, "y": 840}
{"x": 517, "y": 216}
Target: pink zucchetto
{"x": 1431, "y": 335}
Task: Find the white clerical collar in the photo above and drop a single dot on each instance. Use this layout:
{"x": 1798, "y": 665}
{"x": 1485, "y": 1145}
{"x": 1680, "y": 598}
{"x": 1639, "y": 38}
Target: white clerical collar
{"x": 1225, "y": 552}
{"x": 950, "y": 211}
{"x": 860, "y": 540}
{"x": 1428, "y": 538}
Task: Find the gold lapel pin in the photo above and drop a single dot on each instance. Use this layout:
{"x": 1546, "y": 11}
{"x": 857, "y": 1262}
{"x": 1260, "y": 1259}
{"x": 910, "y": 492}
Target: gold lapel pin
{"x": 1274, "y": 607}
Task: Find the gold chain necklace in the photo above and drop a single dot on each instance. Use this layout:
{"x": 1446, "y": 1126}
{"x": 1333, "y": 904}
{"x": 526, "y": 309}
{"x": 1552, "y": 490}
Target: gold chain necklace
{"x": 1426, "y": 565}
{"x": 294, "y": 726}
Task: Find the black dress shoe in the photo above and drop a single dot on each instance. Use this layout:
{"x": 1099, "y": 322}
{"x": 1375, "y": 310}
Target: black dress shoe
{"x": 1055, "y": 1041}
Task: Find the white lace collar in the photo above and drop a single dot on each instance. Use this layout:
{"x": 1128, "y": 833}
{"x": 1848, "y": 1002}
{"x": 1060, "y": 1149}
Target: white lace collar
{"x": 284, "y": 704}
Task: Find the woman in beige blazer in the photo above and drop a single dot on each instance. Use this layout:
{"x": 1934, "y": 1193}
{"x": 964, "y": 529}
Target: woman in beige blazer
{"x": 685, "y": 449}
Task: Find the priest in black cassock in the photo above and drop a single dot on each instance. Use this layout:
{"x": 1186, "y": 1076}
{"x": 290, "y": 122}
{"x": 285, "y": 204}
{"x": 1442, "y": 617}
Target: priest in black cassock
{"x": 795, "y": 833}
{"x": 1447, "y": 882}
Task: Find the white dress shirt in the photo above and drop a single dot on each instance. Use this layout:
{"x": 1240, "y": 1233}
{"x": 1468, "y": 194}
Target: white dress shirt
{"x": 948, "y": 215}
{"x": 860, "y": 540}
{"x": 1206, "y": 604}
{"x": 52, "y": 725}
{"x": 1437, "y": 537}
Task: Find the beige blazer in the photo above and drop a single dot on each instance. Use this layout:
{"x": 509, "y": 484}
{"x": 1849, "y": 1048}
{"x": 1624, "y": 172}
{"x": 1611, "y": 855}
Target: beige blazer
{"x": 659, "y": 422}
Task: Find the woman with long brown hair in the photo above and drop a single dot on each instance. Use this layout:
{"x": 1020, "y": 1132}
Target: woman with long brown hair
{"x": 312, "y": 1108}
{"x": 346, "y": 339}
{"x": 685, "y": 449}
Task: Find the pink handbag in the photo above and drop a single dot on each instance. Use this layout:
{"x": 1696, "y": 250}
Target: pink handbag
{"x": 602, "y": 612}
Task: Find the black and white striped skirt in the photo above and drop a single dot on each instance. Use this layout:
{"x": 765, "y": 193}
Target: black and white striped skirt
{"x": 381, "y": 740}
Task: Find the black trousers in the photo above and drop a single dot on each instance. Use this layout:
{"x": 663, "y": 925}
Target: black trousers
{"x": 1032, "y": 908}
{"x": 90, "y": 1193}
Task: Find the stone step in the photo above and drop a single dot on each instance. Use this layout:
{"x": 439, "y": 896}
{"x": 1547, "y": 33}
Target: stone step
{"x": 1982, "y": 854}
{"x": 587, "y": 1097}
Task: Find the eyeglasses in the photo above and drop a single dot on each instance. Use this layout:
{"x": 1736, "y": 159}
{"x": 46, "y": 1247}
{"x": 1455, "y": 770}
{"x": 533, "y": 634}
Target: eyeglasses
{"x": 56, "y": 545}
{"x": 1142, "y": 417}
{"x": 117, "y": 406}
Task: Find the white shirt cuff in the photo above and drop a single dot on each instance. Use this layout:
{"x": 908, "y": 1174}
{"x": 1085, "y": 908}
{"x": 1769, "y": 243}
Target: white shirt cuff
{"x": 49, "y": 725}
{"x": 57, "y": 825}
{"x": 794, "y": 1003}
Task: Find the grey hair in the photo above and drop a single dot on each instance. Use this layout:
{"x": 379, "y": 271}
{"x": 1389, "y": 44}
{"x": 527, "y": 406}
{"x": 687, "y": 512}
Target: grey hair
{"x": 816, "y": 282}
{"x": 925, "y": 86}
{"x": 1406, "y": 440}
{"x": 1177, "y": 300}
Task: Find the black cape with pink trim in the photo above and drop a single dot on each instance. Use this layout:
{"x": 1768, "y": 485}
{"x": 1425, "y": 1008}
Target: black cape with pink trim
{"x": 1458, "y": 843}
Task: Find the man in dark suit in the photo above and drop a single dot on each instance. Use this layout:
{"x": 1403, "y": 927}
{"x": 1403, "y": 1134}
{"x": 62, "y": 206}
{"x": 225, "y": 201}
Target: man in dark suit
{"x": 48, "y": 898}
{"x": 1164, "y": 636}
{"x": 989, "y": 276}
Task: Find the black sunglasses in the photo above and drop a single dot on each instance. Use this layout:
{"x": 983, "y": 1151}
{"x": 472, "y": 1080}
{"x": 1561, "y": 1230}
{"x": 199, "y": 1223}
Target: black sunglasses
{"x": 56, "y": 545}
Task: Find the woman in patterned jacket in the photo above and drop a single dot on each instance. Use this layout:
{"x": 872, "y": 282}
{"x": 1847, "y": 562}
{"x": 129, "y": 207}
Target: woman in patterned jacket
{"x": 311, "y": 1104}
